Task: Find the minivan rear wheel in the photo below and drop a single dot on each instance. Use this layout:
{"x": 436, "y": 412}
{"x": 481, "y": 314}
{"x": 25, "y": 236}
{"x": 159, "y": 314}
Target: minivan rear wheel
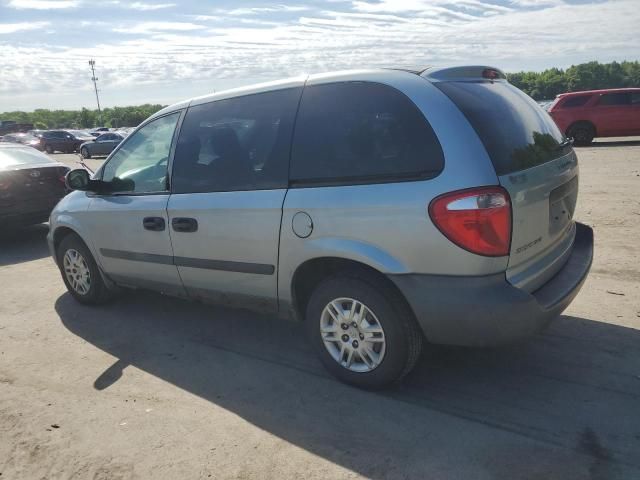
{"x": 364, "y": 333}
{"x": 80, "y": 272}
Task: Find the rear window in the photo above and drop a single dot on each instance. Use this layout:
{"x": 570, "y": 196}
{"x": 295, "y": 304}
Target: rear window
{"x": 577, "y": 101}
{"x": 516, "y": 132}
{"x": 361, "y": 132}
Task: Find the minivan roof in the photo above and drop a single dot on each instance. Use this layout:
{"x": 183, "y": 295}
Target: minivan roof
{"x": 434, "y": 74}
{"x": 292, "y": 82}
{"x": 604, "y": 90}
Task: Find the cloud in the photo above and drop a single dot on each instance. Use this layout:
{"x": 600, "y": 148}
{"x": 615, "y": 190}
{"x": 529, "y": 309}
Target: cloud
{"x": 151, "y": 27}
{"x": 7, "y": 28}
{"x": 148, "y": 6}
{"x": 216, "y": 48}
{"x": 43, "y": 4}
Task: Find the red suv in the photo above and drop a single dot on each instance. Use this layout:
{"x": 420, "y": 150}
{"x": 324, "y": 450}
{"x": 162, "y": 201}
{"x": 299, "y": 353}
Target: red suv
{"x": 597, "y": 113}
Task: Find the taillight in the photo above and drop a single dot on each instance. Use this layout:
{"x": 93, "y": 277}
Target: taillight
{"x": 478, "y": 220}
{"x": 4, "y": 185}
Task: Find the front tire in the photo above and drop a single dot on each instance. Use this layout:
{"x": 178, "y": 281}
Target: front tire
{"x": 48, "y": 149}
{"x": 84, "y": 151}
{"x": 80, "y": 272}
{"x": 363, "y": 331}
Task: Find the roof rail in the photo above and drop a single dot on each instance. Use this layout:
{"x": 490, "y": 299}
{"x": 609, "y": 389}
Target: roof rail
{"x": 469, "y": 72}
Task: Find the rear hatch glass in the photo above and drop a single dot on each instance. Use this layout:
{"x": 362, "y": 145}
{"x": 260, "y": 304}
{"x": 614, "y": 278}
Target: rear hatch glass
{"x": 516, "y": 132}
{"x": 534, "y": 164}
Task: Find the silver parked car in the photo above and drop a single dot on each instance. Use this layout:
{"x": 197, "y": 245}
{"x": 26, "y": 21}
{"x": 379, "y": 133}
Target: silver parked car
{"x": 102, "y": 145}
{"x": 386, "y": 209}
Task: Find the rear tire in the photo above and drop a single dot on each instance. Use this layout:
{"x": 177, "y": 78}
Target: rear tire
{"x": 84, "y": 151}
{"x": 370, "y": 360}
{"x": 582, "y": 134}
{"x": 80, "y": 272}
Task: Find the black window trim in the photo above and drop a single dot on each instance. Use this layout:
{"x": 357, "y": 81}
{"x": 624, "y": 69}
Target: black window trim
{"x": 364, "y": 179}
{"x": 172, "y": 149}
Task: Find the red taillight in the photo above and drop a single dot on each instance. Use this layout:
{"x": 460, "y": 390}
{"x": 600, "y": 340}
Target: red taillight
{"x": 478, "y": 220}
{"x": 4, "y": 185}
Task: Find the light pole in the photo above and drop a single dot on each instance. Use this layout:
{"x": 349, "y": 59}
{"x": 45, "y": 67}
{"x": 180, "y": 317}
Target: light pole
{"x": 92, "y": 63}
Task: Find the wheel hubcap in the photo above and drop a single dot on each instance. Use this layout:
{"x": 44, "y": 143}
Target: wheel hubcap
{"x": 360, "y": 347}
{"x": 77, "y": 271}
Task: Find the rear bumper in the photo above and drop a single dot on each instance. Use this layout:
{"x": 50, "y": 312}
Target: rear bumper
{"x": 488, "y": 310}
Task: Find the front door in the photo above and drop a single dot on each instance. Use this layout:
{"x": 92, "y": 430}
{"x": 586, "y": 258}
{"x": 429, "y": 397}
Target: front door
{"x": 228, "y": 186}
{"x": 130, "y": 228}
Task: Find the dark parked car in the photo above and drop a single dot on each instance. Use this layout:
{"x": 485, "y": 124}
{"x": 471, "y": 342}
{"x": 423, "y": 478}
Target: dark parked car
{"x": 597, "y": 113}
{"x": 103, "y": 145}
{"x": 31, "y": 184}
{"x": 59, "y": 141}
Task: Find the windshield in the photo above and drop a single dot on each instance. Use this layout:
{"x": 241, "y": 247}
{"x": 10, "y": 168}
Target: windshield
{"x": 11, "y": 157}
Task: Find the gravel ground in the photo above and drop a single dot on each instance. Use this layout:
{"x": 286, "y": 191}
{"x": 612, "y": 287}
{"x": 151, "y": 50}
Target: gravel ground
{"x": 153, "y": 387}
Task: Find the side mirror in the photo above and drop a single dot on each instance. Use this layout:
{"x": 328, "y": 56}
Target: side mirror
{"x": 77, "y": 179}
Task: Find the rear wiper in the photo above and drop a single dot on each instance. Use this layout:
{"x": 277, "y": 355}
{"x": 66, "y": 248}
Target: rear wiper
{"x": 567, "y": 143}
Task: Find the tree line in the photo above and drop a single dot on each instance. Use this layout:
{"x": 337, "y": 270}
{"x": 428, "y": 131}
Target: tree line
{"x": 586, "y": 76}
{"x": 539, "y": 85}
{"x": 85, "y": 118}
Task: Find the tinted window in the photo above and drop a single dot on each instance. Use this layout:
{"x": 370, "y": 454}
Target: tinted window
{"x": 141, "y": 164}
{"x": 515, "y": 131}
{"x": 615, "y": 99}
{"x": 236, "y": 144}
{"x": 578, "y": 101}
{"x": 357, "y": 132}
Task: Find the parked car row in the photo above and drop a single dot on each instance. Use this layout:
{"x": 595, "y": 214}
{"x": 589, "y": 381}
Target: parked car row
{"x": 88, "y": 143}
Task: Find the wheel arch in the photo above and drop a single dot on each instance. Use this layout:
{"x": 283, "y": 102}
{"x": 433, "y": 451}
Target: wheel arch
{"x": 310, "y": 273}
{"x": 577, "y": 123}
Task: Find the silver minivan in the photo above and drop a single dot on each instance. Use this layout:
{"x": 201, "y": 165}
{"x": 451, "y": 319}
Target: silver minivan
{"x": 386, "y": 209}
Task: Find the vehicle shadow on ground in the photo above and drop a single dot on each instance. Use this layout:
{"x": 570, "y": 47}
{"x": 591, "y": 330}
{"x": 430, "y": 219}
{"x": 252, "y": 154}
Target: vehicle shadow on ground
{"x": 614, "y": 143}
{"x": 573, "y": 392}
{"x": 23, "y": 244}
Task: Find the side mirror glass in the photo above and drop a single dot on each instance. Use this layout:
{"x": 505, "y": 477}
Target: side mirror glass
{"x": 77, "y": 179}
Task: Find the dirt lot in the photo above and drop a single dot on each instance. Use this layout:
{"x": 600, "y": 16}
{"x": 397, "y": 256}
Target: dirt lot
{"x": 152, "y": 387}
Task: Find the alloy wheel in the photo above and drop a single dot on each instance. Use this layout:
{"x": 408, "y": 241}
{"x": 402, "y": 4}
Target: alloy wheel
{"x": 352, "y": 335}
{"x": 77, "y": 271}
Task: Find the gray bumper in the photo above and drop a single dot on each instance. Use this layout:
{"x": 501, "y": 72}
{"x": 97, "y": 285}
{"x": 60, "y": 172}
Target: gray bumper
{"x": 488, "y": 310}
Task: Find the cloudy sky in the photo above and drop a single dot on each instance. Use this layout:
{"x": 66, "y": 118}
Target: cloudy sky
{"x": 166, "y": 50}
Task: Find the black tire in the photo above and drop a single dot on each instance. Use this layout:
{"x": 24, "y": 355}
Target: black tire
{"x": 404, "y": 339}
{"x": 98, "y": 292}
{"x": 84, "y": 151}
{"x": 582, "y": 134}
{"x": 48, "y": 149}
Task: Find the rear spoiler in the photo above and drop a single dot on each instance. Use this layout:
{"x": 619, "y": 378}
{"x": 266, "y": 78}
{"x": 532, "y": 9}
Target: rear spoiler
{"x": 466, "y": 73}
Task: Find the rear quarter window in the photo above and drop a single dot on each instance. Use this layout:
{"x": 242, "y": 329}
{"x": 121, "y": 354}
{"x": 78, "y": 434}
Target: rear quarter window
{"x": 574, "y": 102}
{"x": 361, "y": 132}
{"x": 515, "y": 131}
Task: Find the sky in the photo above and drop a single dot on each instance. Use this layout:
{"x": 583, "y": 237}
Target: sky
{"x": 163, "y": 51}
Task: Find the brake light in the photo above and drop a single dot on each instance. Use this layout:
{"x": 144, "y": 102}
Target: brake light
{"x": 4, "y": 185}
{"x": 478, "y": 220}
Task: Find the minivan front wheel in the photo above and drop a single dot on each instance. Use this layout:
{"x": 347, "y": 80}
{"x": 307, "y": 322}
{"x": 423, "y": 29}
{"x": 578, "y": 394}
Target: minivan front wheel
{"x": 80, "y": 272}
{"x": 363, "y": 332}
{"x": 84, "y": 151}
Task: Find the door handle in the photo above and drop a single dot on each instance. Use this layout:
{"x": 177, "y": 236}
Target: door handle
{"x": 184, "y": 224}
{"x": 155, "y": 224}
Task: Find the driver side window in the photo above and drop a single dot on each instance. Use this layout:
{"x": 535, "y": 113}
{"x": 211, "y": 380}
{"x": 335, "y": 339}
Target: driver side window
{"x": 141, "y": 163}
